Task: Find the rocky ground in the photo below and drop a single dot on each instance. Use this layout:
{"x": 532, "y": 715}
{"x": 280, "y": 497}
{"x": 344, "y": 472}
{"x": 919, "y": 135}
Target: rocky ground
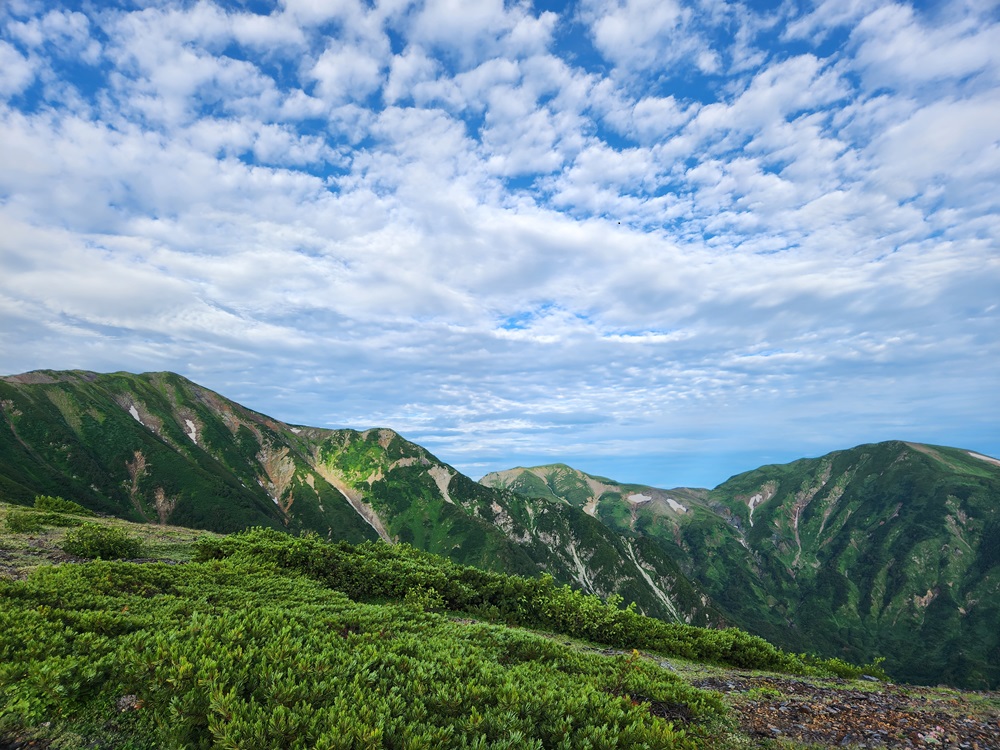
{"x": 859, "y": 715}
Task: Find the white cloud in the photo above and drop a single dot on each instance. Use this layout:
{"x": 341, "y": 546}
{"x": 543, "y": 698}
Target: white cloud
{"x": 346, "y": 74}
{"x": 168, "y": 72}
{"x": 281, "y": 146}
{"x": 956, "y": 140}
{"x": 638, "y": 33}
{"x": 317, "y": 12}
{"x": 450, "y": 218}
{"x": 67, "y": 33}
{"x": 16, "y": 71}
{"x": 267, "y": 33}
{"x": 653, "y": 118}
{"x": 297, "y": 105}
{"x": 828, "y": 15}
{"x": 896, "y": 49}
{"x": 672, "y": 37}
{"x": 407, "y": 71}
{"x": 470, "y": 33}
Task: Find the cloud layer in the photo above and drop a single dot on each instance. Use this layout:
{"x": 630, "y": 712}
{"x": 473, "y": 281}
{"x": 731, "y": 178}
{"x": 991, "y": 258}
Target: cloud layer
{"x": 665, "y": 241}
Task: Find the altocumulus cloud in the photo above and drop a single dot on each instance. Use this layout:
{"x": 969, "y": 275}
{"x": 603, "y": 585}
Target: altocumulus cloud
{"x": 664, "y": 241}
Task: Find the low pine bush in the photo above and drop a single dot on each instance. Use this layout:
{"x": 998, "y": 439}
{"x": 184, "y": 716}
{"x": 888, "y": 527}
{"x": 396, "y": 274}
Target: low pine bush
{"x": 92, "y": 540}
{"x": 59, "y": 505}
{"x": 239, "y": 653}
{"x": 21, "y": 522}
{"x": 32, "y": 521}
{"x": 375, "y": 571}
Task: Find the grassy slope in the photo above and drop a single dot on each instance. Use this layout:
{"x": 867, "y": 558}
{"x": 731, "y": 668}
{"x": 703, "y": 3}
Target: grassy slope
{"x": 74, "y": 434}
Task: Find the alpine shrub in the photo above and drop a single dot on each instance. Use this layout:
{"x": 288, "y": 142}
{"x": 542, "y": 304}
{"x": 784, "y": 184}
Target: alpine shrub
{"x": 106, "y": 542}
{"x": 26, "y": 522}
{"x": 20, "y": 522}
{"x": 59, "y": 505}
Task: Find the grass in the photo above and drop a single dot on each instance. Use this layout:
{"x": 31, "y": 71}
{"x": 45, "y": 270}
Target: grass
{"x": 22, "y": 553}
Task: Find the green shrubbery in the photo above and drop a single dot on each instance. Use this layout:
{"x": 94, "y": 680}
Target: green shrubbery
{"x": 269, "y": 641}
{"x": 106, "y": 542}
{"x": 59, "y": 505}
{"x": 48, "y": 511}
{"x": 237, "y": 653}
{"x": 21, "y": 522}
{"x": 375, "y": 571}
{"x": 27, "y": 521}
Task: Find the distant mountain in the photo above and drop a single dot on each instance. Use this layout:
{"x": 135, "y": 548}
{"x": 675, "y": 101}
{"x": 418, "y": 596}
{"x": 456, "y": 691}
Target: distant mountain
{"x": 157, "y": 447}
{"x": 888, "y": 549}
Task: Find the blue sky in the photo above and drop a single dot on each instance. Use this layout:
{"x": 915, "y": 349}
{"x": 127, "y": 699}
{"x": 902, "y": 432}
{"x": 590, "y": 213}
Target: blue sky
{"x": 661, "y": 241}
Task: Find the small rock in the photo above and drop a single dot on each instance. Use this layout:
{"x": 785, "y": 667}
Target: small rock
{"x": 128, "y": 703}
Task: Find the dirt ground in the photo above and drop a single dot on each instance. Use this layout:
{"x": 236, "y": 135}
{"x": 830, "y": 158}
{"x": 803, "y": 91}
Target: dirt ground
{"x": 866, "y": 715}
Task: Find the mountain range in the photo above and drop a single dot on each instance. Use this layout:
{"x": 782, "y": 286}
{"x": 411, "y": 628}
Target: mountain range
{"x": 889, "y": 549}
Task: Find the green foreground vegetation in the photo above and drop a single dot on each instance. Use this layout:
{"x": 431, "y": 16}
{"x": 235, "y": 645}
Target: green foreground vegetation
{"x": 265, "y": 640}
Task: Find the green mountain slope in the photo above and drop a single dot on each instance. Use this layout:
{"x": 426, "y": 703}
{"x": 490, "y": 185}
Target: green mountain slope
{"x": 157, "y": 447}
{"x": 856, "y": 554}
{"x": 890, "y": 549}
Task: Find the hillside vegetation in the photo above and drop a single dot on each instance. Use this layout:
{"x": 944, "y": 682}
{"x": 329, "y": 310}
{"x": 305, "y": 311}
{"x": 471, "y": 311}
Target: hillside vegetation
{"x": 854, "y": 555}
{"x": 874, "y": 549}
{"x": 857, "y": 554}
{"x": 264, "y": 640}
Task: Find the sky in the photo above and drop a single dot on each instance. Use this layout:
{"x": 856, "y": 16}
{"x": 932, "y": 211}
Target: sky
{"x": 662, "y": 241}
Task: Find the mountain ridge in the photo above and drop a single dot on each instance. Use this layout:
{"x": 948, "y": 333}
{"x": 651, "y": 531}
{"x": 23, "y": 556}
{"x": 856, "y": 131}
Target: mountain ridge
{"x": 159, "y": 447}
{"x": 850, "y": 554}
